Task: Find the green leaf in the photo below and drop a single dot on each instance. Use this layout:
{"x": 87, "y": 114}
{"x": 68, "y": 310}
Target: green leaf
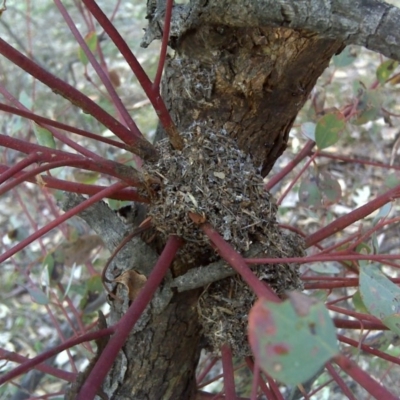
{"x": 308, "y": 129}
{"x": 345, "y": 58}
{"x": 88, "y": 177}
{"x": 309, "y": 193}
{"x": 38, "y": 296}
{"x": 93, "y": 286}
{"x": 392, "y": 180}
{"x": 292, "y": 340}
{"x": 383, "y": 213}
{"x": 328, "y": 128}
{"x": 358, "y": 303}
{"x": 324, "y": 268}
{"x": 380, "y": 296}
{"x": 385, "y": 70}
{"x": 369, "y": 104}
{"x": 44, "y": 136}
{"x": 91, "y": 41}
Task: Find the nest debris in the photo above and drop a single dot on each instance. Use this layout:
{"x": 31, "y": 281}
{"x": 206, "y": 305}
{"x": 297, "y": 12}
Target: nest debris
{"x": 212, "y": 177}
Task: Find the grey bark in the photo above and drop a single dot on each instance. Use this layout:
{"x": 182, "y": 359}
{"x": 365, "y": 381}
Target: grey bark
{"x": 369, "y": 23}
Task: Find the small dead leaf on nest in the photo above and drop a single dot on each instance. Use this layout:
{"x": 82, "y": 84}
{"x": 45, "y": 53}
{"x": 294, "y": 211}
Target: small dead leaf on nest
{"x": 133, "y": 281}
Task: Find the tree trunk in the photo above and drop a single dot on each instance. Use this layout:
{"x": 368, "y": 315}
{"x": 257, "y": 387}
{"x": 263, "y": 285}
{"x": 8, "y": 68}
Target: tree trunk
{"x": 251, "y": 82}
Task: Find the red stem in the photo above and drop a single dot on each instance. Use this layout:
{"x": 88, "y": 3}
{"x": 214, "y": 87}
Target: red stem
{"x": 356, "y": 215}
{"x": 369, "y": 350}
{"x": 238, "y": 263}
{"x": 290, "y": 166}
{"x": 364, "y": 379}
{"x": 42, "y": 120}
{"x": 164, "y": 46}
{"x": 45, "y": 154}
{"x": 53, "y": 224}
{"x": 126, "y": 194}
{"x": 155, "y": 98}
{"x": 338, "y": 379}
{"x": 33, "y": 362}
{"x": 19, "y": 166}
{"x": 139, "y": 146}
{"x": 47, "y": 369}
{"x": 127, "y": 322}
{"x": 227, "y": 370}
{"x": 99, "y": 70}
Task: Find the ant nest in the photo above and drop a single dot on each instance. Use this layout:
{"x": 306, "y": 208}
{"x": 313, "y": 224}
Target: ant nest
{"x": 212, "y": 177}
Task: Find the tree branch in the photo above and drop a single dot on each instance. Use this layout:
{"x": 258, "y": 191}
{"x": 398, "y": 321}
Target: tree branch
{"x": 369, "y": 23}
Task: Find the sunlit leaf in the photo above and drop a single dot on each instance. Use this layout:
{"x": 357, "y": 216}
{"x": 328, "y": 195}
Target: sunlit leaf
{"x": 292, "y": 340}
{"x": 328, "y": 128}
{"x": 44, "y": 136}
{"x": 91, "y": 41}
{"x": 87, "y": 177}
{"x": 385, "y": 70}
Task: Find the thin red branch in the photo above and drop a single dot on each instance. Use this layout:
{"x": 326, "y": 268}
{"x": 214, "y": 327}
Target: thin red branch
{"x": 33, "y": 362}
{"x": 99, "y": 70}
{"x": 356, "y": 215}
{"x": 227, "y": 370}
{"x": 358, "y": 325}
{"x": 47, "y": 369}
{"x": 127, "y": 322}
{"x": 53, "y": 224}
{"x": 364, "y": 379}
{"x": 295, "y": 179}
{"x": 45, "y": 154}
{"x": 338, "y": 379}
{"x": 139, "y": 146}
{"x": 154, "y": 97}
{"x": 206, "y": 370}
{"x": 7, "y": 173}
{"x": 291, "y": 165}
{"x": 368, "y": 349}
{"x": 238, "y": 263}
{"x": 126, "y": 194}
{"x": 164, "y": 46}
{"x": 46, "y": 121}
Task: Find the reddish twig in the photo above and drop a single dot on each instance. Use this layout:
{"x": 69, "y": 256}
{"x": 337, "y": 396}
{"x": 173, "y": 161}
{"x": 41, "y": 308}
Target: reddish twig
{"x": 227, "y": 370}
{"x": 139, "y": 146}
{"x": 236, "y": 261}
{"x": 154, "y": 97}
{"x": 127, "y": 322}
{"x": 70, "y": 213}
{"x": 364, "y": 379}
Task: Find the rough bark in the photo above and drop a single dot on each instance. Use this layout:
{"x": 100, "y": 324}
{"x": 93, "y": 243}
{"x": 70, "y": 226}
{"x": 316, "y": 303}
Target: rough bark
{"x": 369, "y": 23}
{"x": 251, "y": 82}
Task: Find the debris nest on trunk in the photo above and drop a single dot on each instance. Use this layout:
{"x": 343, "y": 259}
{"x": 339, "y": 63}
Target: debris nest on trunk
{"x": 212, "y": 177}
